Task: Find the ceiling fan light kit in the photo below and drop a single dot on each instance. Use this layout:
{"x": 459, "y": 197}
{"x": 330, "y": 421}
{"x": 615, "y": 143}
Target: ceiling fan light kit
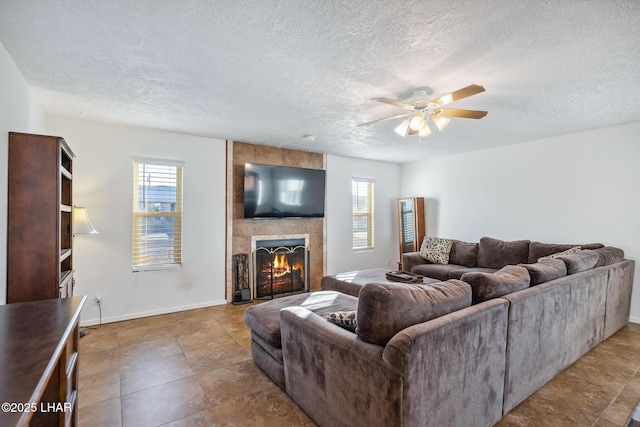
{"x": 421, "y": 111}
{"x": 424, "y": 132}
{"x": 417, "y": 122}
{"x": 402, "y": 128}
{"x": 440, "y": 121}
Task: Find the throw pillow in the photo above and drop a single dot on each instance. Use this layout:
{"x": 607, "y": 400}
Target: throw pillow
{"x": 563, "y": 253}
{"x": 436, "y": 250}
{"x": 345, "y": 319}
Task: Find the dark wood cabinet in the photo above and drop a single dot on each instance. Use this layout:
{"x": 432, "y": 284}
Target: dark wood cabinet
{"x": 39, "y": 218}
{"x": 39, "y": 362}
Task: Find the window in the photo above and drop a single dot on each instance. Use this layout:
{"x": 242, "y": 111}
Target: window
{"x": 157, "y": 214}
{"x": 362, "y": 200}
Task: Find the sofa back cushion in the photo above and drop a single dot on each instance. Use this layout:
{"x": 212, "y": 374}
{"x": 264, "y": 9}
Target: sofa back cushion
{"x": 561, "y": 254}
{"x": 494, "y": 253}
{"x": 464, "y": 253}
{"x": 384, "y": 309}
{"x": 545, "y": 270}
{"x": 608, "y": 255}
{"x": 580, "y": 261}
{"x": 539, "y": 250}
{"x": 486, "y": 286}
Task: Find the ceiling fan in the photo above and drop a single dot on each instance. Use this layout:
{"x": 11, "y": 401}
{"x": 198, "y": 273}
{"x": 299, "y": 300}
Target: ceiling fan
{"x": 420, "y": 110}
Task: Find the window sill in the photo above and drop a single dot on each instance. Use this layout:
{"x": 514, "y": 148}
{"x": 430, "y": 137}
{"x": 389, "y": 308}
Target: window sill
{"x": 156, "y": 267}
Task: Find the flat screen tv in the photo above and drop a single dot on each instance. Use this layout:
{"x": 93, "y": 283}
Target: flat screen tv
{"x": 283, "y": 192}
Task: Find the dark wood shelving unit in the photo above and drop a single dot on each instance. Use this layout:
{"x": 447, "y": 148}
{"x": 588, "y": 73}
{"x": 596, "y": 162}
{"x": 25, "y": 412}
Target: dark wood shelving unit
{"x": 39, "y": 218}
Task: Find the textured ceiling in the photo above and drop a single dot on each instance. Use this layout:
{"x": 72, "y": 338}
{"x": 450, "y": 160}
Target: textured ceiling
{"x": 269, "y": 72}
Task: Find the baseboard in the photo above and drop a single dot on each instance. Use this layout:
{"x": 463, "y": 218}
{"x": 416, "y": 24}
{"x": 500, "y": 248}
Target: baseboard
{"x": 92, "y": 322}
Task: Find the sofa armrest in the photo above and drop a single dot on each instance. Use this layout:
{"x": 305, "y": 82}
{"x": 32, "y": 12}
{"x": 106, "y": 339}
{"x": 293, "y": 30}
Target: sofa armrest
{"x": 335, "y": 377}
{"x": 411, "y": 259}
{"x": 455, "y": 358}
{"x": 619, "y": 288}
{"x": 551, "y": 325}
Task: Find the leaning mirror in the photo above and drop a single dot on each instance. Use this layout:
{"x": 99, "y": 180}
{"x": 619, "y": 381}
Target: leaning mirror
{"x": 410, "y": 225}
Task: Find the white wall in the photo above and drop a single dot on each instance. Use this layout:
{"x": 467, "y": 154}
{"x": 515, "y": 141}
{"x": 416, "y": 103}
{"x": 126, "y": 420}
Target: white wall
{"x": 578, "y": 188}
{"x": 103, "y": 184}
{"x": 340, "y": 255}
{"x": 19, "y": 112}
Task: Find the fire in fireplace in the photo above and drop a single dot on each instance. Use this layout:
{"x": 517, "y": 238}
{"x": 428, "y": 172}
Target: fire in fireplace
{"x": 280, "y": 267}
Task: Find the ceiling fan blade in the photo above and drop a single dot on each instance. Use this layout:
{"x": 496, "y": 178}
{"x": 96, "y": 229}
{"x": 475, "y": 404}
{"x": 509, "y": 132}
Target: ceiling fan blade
{"x": 459, "y": 94}
{"x": 465, "y": 114}
{"x": 397, "y": 116}
{"x": 395, "y": 103}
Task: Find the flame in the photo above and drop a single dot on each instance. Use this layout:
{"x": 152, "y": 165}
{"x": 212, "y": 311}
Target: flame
{"x": 280, "y": 262}
{"x": 280, "y": 266}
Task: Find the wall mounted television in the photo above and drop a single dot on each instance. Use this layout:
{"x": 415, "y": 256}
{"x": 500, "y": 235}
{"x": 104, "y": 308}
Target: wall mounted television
{"x": 283, "y": 192}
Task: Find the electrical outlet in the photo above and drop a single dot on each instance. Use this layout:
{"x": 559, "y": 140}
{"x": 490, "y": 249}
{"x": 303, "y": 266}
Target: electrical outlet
{"x": 98, "y": 299}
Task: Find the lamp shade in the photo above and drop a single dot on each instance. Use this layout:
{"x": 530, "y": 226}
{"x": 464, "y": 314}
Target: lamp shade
{"x": 402, "y": 128}
{"x": 424, "y": 132}
{"x": 440, "y": 121}
{"x": 81, "y": 222}
{"x": 416, "y": 122}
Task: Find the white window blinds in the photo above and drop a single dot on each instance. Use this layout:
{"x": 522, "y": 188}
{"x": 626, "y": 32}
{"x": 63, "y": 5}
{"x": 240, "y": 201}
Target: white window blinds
{"x": 362, "y": 212}
{"x": 157, "y": 214}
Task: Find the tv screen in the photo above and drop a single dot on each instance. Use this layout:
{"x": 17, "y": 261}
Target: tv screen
{"x": 283, "y": 192}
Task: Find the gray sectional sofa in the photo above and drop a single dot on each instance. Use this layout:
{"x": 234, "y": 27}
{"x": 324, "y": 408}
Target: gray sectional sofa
{"x": 462, "y": 351}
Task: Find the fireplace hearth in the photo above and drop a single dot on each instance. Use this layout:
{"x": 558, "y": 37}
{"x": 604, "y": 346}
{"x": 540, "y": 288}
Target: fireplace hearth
{"x": 280, "y": 267}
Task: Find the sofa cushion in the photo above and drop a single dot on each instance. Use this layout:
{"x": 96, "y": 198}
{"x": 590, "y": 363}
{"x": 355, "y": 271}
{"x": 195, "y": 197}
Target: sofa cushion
{"x": 569, "y": 251}
{"x": 494, "y": 253}
{"x": 580, "y": 261}
{"x": 464, "y": 253}
{"x": 384, "y": 309}
{"x": 264, "y": 319}
{"x": 539, "y": 250}
{"x": 344, "y": 319}
{"x": 436, "y": 249}
{"x": 436, "y": 271}
{"x": 456, "y": 274}
{"x": 545, "y": 270}
{"x": 608, "y": 255}
{"x": 485, "y": 286}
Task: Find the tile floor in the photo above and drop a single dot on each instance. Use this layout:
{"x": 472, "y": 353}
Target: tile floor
{"x": 194, "y": 368}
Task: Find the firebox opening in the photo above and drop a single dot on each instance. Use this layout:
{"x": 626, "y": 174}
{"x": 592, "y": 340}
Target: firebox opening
{"x": 281, "y": 267}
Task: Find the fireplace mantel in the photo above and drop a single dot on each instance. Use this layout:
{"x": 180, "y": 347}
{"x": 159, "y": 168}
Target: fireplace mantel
{"x": 255, "y": 239}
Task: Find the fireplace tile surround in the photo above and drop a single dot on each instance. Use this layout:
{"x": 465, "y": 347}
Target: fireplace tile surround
{"x": 240, "y": 231}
